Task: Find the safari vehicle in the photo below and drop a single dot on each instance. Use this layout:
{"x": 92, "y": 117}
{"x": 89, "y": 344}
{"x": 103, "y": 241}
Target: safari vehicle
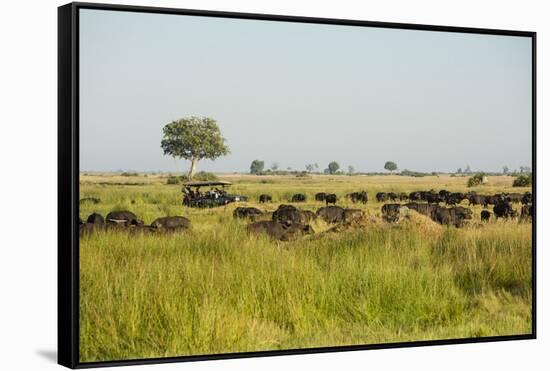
{"x": 216, "y": 194}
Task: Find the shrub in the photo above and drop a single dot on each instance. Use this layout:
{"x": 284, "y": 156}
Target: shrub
{"x": 205, "y": 176}
{"x": 129, "y": 173}
{"x": 173, "y": 180}
{"x": 415, "y": 174}
{"x": 476, "y": 180}
{"x": 523, "y": 181}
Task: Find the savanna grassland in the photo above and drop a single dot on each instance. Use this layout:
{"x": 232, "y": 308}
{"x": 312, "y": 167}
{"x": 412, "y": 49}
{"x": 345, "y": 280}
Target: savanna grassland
{"x": 217, "y": 289}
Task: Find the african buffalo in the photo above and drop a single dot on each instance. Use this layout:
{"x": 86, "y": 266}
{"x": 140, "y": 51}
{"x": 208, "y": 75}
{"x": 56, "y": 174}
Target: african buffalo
{"x": 279, "y": 231}
{"x": 381, "y": 196}
{"x": 451, "y": 216}
{"x": 358, "y": 197}
{"x": 298, "y": 197}
{"x": 247, "y": 212}
{"x": 265, "y": 198}
{"x": 171, "y": 223}
{"x": 320, "y": 196}
{"x": 331, "y": 198}
{"x": 527, "y": 198}
{"x": 123, "y": 218}
{"x": 392, "y": 196}
{"x": 331, "y": 214}
{"x": 431, "y": 197}
{"x": 485, "y": 215}
{"x": 514, "y": 197}
{"x": 454, "y": 198}
{"x": 415, "y": 196}
{"x": 475, "y": 199}
{"x": 504, "y": 210}
{"x": 391, "y": 212}
{"x": 95, "y": 218}
{"x": 291, "y": 214}
{"x": 424, "y": 209}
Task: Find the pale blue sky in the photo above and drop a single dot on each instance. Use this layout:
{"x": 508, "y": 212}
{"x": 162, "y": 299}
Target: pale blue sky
{"x": 301, "y": 93}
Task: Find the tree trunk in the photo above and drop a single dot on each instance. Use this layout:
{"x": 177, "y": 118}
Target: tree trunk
{"x": 193, "y": 169}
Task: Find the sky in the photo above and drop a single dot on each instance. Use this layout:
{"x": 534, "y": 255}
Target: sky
{"x": 297, "y": 93}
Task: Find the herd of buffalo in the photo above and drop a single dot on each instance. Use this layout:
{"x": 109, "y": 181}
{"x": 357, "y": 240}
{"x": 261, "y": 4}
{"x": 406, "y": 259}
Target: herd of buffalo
{"x": 288, "y": 221}
{"x": 127, "y": 220}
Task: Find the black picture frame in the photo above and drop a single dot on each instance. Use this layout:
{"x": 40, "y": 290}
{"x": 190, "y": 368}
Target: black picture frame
{"x": 68, "y": 185}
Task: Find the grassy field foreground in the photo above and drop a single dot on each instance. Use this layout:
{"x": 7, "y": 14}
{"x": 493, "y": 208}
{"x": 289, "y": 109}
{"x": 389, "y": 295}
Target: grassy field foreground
{"x": 216, "y": 289}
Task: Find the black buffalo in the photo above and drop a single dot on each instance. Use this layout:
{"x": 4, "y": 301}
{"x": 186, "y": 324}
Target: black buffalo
{"x": 291, "y": 214}
{"x": 95, "y": 218}
{"x": 454, "y": 198}
{"x": 527, "y": 198}
{"x": 431, "y": 197}
{"x": 391, "y": 212}
{"x": 336, "y": 214}
{"x": 504, "y": 210}
{"x": 298, "y": 197}
{"x": 451, "y": 215}
{"x": 94, "y": 223}
{"x": 331, "y": 214}
{"x": 247, "y": 212}
{"x": 123, "y": 218}
{"x": 331, "y": 198}
{"x": 485, "y": 215}
{"x": 320, "y": 196}
{"x": 265, "y": 198}
{"x": 415, "y": 196}
{"x": 392, "y": 196}
{"x": 381, "y": 196}
{"x": 475, "y": 199}
{"x": 493, "y": 200}
{"x": 361, "y": 196}
{"x": 279, "y": 231}
{"x": 424, "y": 209}
{"x": 514, "y": 197}
{"x": 171, "y": 223}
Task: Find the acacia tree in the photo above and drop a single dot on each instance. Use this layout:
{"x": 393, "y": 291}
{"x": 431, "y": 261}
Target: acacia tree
{"x": 256, "y": 167}
{"x": 390, "y": 166}
{"x": 193, "y": 138}
{"x": 333, "y": 167}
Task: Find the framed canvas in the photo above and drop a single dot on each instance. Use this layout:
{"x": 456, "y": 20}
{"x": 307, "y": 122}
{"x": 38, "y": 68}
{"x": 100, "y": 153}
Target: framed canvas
{"x": 242, "y": 185}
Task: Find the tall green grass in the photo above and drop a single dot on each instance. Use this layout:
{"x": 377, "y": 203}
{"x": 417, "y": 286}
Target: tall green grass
{"x": 217, "y": 289}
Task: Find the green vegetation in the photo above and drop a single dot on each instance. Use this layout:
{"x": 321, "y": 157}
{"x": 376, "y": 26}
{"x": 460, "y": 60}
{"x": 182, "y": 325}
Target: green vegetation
{"x": 333, "y": 167}
{"x": 217, "y": 289}
{"x": 256, "y": 167}
{"x": 390, "y": 166}
{"x": 193, "y": 139}
{"x": 476, "y": 180}
{"x": 523, "y": 180}
{"x": 200, "y": 176}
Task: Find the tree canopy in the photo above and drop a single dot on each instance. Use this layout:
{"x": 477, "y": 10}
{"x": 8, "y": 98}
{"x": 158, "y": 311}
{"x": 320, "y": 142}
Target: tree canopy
{"x": 390, "y": 166}
{"x": 333, "y": 167}
{"x": 193, "y": 138}
{"x": 256, "y": 167}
